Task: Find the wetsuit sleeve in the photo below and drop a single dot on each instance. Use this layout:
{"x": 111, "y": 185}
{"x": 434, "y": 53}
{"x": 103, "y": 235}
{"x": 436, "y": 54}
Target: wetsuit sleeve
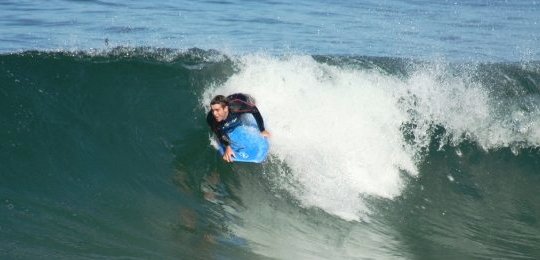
{"x": 258, "y": 118}
{"x": 222, "y": 137}
{"x": 211, "y": 121}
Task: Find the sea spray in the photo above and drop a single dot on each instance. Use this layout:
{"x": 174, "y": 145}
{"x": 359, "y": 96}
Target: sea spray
{"x": 438, "y": 94}
{"x": 345, "y": 132}
{"x": 337, "y": 129}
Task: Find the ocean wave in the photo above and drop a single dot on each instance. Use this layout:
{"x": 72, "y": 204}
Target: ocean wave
{"x": 103, "y": 147}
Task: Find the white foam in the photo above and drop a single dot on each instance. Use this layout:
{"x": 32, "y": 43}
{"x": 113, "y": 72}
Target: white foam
{"x": 337, "y": 129}
{"x": 467, "y": 110}
{"x": 340, "y": 130}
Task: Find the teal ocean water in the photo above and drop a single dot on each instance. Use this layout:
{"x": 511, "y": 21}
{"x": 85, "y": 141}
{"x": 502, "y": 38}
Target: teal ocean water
{"x": 400, "y": 130}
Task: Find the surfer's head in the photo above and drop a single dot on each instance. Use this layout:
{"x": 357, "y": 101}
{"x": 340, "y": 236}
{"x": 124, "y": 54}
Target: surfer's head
{"x": 220, "y": 107}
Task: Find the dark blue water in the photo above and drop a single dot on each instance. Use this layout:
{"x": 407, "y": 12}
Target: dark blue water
{"x": 400, "y": 130}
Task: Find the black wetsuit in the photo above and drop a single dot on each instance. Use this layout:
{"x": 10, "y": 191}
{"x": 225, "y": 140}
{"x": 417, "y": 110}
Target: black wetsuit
{"x": 238, "y": 105}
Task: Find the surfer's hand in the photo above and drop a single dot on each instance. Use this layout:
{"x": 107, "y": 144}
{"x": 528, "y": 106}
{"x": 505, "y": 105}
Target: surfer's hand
{"x": 266, "y": 133}
{"x": 228, "y": 155}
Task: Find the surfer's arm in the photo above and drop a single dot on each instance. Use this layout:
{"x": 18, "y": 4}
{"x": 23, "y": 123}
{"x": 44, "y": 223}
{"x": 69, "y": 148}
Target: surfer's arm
{"x": 228, "y": 154}
{"x": 260, "y": 122}
{"x": 222, "y": 138}
{"x": 210, "y": 120}
{"x": 240, "y": 103}
{"x": 258, "y": 117}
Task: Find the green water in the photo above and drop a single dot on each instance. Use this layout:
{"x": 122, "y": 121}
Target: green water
{"x": 107, "y": 156}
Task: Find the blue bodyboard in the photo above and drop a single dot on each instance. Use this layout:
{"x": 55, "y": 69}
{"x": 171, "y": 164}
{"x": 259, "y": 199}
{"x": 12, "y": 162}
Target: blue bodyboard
{"x": 247, "y": 142}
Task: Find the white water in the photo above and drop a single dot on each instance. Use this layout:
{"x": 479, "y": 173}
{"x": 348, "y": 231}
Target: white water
{"x": 339, "y": 130}
{"x": 469, "y": 110}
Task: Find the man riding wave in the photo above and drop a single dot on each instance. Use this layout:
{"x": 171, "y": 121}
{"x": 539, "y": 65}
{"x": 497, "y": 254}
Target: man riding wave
{"x": 224, "y": 115}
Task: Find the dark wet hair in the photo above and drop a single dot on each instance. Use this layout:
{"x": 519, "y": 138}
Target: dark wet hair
{"x": 219, "y": 99}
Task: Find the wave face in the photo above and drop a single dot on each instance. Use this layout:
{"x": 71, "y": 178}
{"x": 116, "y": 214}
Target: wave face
{"x": 107, "y": 154}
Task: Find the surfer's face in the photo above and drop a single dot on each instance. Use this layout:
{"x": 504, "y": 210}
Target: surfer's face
{"x": 220, "y": 112}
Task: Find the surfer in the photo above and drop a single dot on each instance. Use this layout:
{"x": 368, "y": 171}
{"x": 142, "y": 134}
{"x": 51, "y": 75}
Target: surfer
{"x": 224, "y": 115}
